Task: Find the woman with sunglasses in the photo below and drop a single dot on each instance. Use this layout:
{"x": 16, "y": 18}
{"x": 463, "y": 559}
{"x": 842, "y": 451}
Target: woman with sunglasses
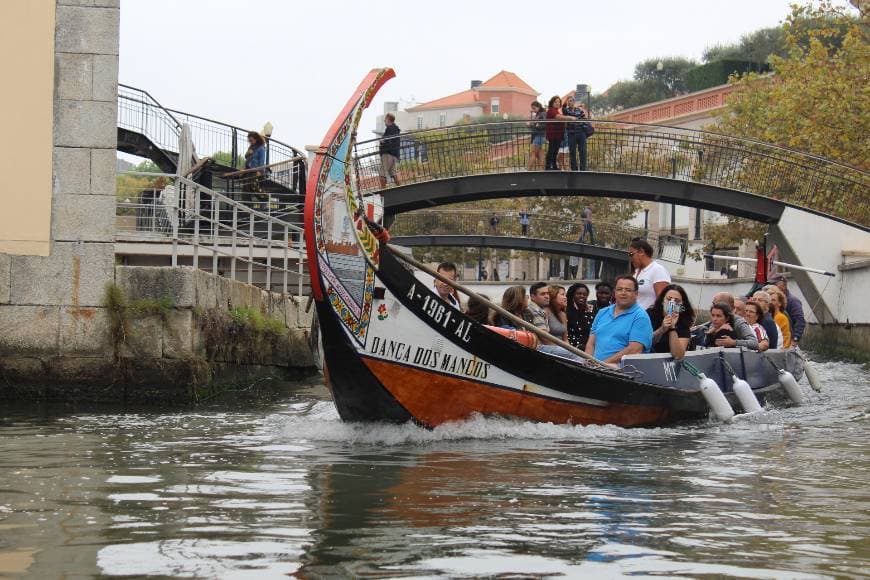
{"x": 672, "y": 317}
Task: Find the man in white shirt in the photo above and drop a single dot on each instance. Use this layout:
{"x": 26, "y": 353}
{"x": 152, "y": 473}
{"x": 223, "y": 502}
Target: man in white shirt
{"x": 446, "y": 292}
{"x": 651, "y": 276}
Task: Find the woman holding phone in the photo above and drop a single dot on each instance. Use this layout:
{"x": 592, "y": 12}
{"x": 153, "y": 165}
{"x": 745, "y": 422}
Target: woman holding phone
{"x": 672, "y": 317}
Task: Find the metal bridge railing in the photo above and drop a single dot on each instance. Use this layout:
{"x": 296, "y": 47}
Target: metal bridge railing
{"x": 139, "y": 112}
{"x": 688, "y": 155}
{"x": 476, "y": 222}
{"x": 480, "y": 223}
{"x": 233, "y": 239}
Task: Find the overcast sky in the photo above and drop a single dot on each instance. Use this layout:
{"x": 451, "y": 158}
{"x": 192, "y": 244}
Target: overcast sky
{"x": 295, "y": 63}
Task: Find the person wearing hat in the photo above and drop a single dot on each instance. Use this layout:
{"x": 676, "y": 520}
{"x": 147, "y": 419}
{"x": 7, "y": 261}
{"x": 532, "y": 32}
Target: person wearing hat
{"x": 793, "y": 308}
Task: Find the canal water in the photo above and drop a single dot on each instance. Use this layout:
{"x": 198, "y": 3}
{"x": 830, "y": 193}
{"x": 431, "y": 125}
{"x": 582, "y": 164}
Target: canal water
{"x": 287, "y": 490}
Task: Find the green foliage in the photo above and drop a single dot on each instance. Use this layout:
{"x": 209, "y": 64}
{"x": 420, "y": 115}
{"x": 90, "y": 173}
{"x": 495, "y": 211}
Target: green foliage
{"x": 115, "y": 303}
{"x": 672, "y": 77}
{"x": 130, "y": 189}
{"x": 732, "y": 232}
{"x": 151, "y": 307}
{"x": 624, "y": 95}
{"x": 648, "y": 85}
{"x": 147, "y": 166}
{"x": 241, "y": 335}
{"x": 253, "y": 319}
{"x": 817, "y": 101}
{"x": 225, "y": 158}
{"x": 756, "y": 47}
{"x": 717, "y": 73}
{"x": 121, "y": 310}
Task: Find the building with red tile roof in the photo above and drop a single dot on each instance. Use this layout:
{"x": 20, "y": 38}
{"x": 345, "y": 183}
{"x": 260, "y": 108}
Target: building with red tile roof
{"x": 503, "y": 94}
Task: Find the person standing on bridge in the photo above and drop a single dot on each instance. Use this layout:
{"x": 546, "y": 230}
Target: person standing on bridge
{"x": 651, "y": 276}
{"x": 524, "y": 221}
{"x": 255, "y": 160}
{"x": 586, "y": 216}
{"x": 493, "y": 224}
{"x": 537, "y": 128}
{"x": 390, "y": 149}
{"x": 555, "y": 131}
{"x": 576, "y": 134}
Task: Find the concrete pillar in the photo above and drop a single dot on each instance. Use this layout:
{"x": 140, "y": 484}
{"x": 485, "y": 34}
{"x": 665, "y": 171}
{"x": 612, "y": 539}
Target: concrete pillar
{"x": 49, "y": 304}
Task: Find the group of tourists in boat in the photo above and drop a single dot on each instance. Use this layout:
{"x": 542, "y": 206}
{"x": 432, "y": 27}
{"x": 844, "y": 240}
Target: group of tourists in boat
{"x": 640, "y": 312}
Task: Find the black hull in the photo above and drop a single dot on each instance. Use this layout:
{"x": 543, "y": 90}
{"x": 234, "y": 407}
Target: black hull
{"x": 357, "y": 393}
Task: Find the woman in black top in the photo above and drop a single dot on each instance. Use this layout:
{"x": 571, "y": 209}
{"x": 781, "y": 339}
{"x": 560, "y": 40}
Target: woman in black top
{"x": 580, "y": 315}
{"x": 672, "y": 317}
{"x": 721, "y": 324}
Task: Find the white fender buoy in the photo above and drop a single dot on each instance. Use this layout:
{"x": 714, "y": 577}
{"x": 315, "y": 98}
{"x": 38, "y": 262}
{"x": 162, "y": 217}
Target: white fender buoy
{"x": 786, "y": 379}
{"x": 744, "y": 393}
{"x": 715, "y": 398}
{"x": 812, "y": 377}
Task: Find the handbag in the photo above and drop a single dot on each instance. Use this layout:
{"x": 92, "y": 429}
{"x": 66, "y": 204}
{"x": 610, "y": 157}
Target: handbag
{"x": 588, "y": 129}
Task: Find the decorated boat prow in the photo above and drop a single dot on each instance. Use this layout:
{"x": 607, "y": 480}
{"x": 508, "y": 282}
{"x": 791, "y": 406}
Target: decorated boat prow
{"x": 394, "y": 351}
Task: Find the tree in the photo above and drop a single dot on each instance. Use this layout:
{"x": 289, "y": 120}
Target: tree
{"x": 818, "y": 99}
{"x": 648, "y": 85}
{"x": 623, "y": 95}
{"x": 757, "y": 47}
{"x": 225, "y": 158}
{"x": 671, "y": 78}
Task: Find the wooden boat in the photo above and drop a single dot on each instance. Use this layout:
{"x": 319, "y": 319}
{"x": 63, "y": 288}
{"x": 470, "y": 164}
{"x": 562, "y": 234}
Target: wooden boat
{"x": 394, "y": 351}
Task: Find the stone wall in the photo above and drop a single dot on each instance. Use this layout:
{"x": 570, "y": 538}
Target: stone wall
{"x": 849, "y": 342}
{"x": 46, "y": 302}
{"x": 150, "y": 343}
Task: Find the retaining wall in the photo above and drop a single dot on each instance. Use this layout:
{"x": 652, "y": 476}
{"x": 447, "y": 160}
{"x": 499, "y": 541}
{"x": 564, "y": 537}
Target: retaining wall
{"x": 166, "y": 337}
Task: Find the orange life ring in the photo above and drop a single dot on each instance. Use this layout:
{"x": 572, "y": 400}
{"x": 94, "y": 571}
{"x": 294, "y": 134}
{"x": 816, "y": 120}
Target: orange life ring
{"x": 524, "y": 337}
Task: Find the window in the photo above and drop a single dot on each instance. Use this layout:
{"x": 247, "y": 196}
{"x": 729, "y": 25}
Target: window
{"x": 442, "y": 119}
{"x": 494, "y": 106}
{"x": 419, "y": 121}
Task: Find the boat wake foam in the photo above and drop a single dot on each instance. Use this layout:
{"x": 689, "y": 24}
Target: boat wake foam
{"x": 321, "y": 423}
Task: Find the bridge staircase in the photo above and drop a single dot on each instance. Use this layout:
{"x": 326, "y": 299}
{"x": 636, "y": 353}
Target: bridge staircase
{"x": 148, "y": 129}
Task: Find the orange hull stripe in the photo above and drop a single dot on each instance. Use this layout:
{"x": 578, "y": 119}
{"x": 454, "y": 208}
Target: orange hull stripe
{"x": 433, "y": 399}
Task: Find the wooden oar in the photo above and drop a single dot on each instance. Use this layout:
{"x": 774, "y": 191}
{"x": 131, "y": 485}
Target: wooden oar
{"x": 546, "y": 336}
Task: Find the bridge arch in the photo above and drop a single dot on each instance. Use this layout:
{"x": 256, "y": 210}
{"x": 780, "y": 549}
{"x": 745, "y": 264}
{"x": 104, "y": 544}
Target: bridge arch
{"x": 796, "y": 193}
{"x": 428, "y": 194}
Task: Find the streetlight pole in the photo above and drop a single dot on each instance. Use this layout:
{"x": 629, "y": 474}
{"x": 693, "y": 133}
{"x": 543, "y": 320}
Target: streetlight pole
{"x": 698, "y": 209}
{"x": 673, "y": 176}
{"x": 660, "y": 66}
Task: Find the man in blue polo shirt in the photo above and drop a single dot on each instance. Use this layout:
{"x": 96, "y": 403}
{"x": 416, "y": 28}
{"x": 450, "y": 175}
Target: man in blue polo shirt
{"x": 621, "y": 328}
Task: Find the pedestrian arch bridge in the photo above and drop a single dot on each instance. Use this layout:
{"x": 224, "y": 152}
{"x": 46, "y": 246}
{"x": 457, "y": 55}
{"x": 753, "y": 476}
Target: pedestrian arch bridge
{"x": 818, "y": 210}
